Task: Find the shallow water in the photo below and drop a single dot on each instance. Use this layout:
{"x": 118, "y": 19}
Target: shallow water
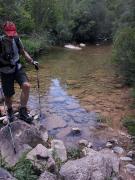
{"x": 65, "y": 75}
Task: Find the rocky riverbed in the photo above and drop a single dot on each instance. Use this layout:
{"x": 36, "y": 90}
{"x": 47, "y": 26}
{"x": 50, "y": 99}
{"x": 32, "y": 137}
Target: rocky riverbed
{"x": 51, "y": 159}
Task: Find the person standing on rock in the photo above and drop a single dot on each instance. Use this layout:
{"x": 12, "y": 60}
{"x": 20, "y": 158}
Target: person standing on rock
{"x": 11, "y": 70}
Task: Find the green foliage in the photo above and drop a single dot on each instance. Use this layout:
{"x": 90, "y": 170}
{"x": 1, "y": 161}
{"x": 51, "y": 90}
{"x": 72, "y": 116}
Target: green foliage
{"x": 3, "y": 164}
{"x": 24, "y": 170}
{"x": 129, "y": 123}
{"x": 124, "y": 53}
{"x": 74, "y": 153}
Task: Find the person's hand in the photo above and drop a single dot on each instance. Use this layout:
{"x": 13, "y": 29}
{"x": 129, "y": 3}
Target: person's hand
{"x": 35, "y": 63}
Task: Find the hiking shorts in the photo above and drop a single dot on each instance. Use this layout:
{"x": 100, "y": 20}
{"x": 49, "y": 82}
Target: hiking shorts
{"x": 8, "y": 81}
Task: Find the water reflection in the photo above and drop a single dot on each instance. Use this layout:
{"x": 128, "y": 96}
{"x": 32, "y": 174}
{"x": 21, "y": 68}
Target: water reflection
{"x": 67, "y": 106}
{"x": 63, "y": 112}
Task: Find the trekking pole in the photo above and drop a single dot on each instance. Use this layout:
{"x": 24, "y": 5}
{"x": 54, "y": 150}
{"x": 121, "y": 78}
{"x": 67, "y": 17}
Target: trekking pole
{"x": 9, "y": 125}
{"x": 10, "y": 130}
{"x": 38, "y": 88}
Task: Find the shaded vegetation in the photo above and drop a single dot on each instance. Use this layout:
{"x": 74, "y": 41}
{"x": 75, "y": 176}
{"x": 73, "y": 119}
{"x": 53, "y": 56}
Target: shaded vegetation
{"x": 129, "y": 123}
{"x": 74, "y": 153}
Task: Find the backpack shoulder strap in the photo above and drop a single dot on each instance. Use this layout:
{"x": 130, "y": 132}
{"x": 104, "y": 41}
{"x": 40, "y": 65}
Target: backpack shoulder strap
{"x": 17, "y": 41}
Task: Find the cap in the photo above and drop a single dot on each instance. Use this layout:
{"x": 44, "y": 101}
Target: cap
{"x": 10, "y": 29}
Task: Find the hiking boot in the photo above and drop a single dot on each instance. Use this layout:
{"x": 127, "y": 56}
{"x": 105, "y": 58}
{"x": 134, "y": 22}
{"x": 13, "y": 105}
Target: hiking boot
{"x": 10, "y": 114}
{"x": 23, "y": 115}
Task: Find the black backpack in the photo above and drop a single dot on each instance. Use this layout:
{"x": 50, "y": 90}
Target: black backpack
{"x": 6, "y": 50}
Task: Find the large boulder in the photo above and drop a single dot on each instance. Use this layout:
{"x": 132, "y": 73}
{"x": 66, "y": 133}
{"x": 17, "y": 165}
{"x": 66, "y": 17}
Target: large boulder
{"x": 95, "y": 166}
{"x": 47, "y": 176}
{"x": 25, "y": 138}
{"x": 5, "y": 175}
{"x": 41, "y": 158}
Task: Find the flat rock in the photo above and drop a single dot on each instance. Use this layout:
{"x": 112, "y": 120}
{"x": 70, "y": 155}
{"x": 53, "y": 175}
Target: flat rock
{"x": 54, "y": 122}
{"x": 70, "y": 46}
{"x": 125, "y": 159}
{"x": 5, "y": 175}
{"x": 47, "y": 176}
{"x": 72, "y": 107}
{"x": 59, "y": 99}
{"x": 95, "y": 166}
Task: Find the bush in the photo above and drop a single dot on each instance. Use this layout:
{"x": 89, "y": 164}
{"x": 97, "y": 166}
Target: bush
{"x": 124, "y": 54}
{"x": 129, "y": 123}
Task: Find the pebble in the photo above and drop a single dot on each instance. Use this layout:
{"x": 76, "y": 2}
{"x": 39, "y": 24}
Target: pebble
{"x": 109, "y": 145}
{"x": 118, "y": 150}
{"x": 76, "y": 130}
{"x": 36, "y": 117}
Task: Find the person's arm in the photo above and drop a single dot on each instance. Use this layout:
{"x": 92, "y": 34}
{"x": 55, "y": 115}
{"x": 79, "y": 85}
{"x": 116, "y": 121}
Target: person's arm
{"x": 26, "y": 55}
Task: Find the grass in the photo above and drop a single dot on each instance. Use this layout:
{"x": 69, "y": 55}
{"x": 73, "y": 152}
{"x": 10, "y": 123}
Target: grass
{"x": 129, "y": 123}
{"x": 23, "y": 170}
{"x": 74, "y": 153}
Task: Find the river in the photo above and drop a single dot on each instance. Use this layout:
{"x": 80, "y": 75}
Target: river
{"x": 78, "y": 88}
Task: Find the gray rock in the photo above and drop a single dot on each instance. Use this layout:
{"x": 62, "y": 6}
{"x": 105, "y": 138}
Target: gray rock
{"x": 130, "y": 168}
{"x": 55, "y": 121}
{"x": 47, "y": 176}
{"x": 5, "y": 175}
{"x": 25, "y": 137}
{"x": 109, "y": 145}
{"x": 41, "y": 158}
{"x": 131, "y": 154}
{"x": 118, "y": 150}
{"x": 96, "y": 166}
{"x": 76, "y": 131}
{"x": 59, "y": 149}
{"x": 83, "y": 142}
{"x": 125, "y": 159}
{"x": 90, "y": 145}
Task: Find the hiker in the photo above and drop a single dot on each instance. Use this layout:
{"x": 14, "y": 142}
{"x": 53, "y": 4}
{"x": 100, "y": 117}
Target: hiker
{"x": 11, "y": 70}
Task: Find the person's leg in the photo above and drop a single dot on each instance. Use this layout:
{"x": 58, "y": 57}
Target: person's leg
{"x": 22, "y": 79}
{"x": 7, "y": 81}
{"x": 24, "y": 94}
